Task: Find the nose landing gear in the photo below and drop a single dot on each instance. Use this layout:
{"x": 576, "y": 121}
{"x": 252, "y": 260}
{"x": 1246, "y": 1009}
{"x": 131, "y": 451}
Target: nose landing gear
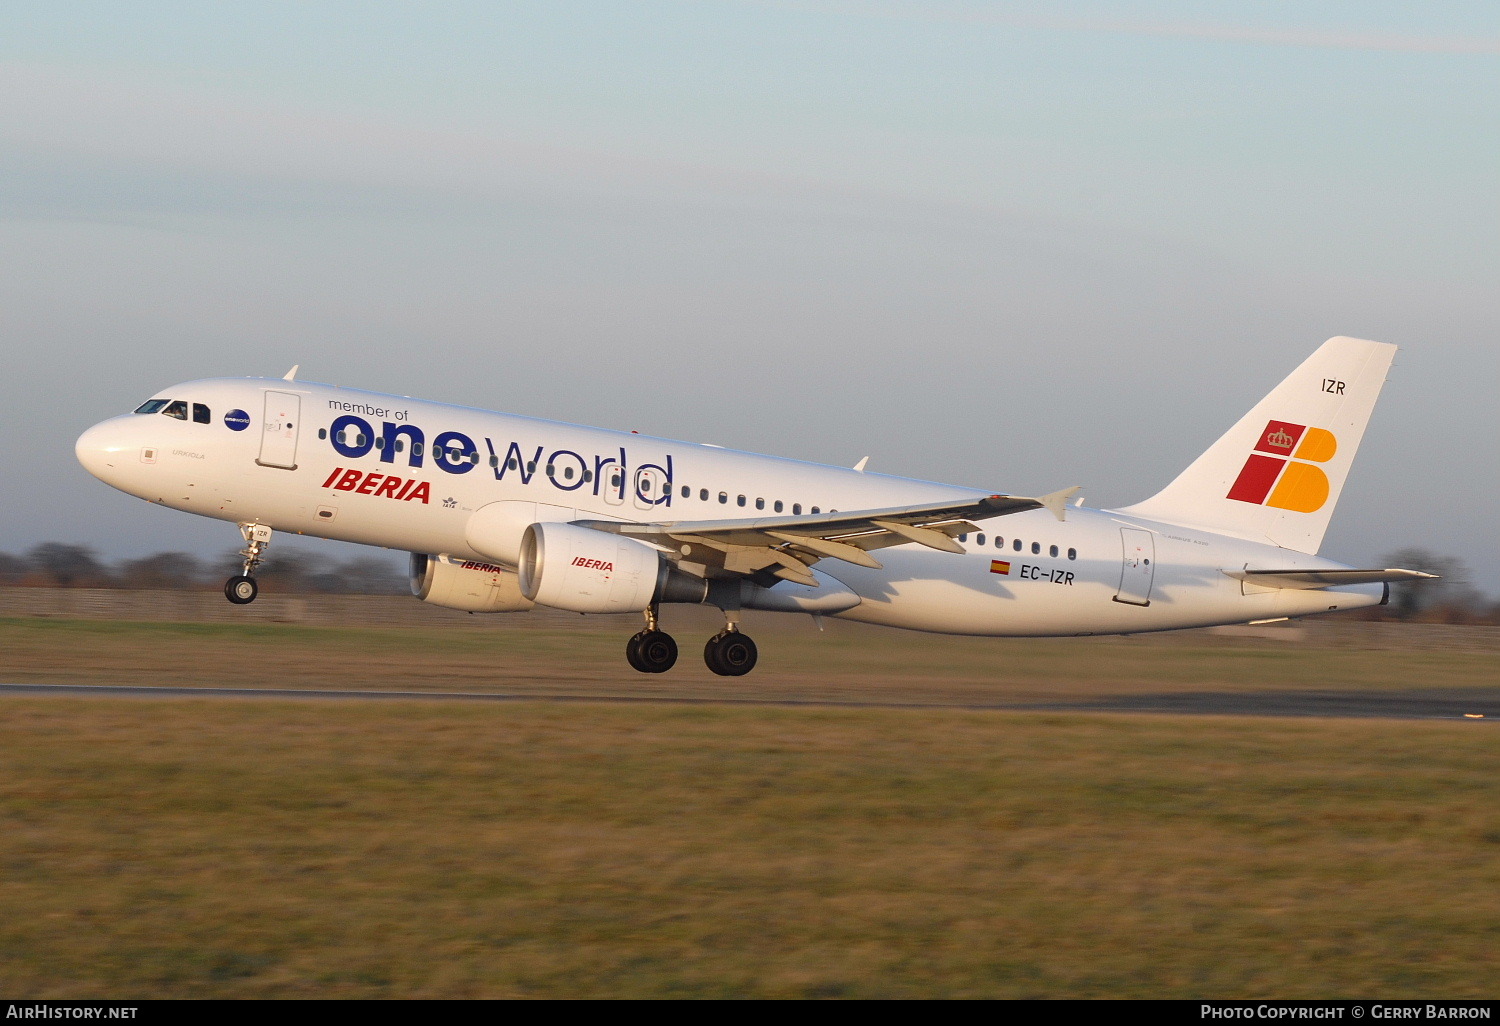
{"x": 241, "y": 589}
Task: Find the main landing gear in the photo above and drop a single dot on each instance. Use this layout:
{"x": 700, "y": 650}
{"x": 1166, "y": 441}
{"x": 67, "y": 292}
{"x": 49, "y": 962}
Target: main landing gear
{"x": 651, "y": 651}
{"x": 241, "y": 589}
{"x": 728, "y": 653}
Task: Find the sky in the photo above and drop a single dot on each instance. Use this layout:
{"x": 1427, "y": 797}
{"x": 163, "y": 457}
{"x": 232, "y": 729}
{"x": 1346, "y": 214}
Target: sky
{"x": 1018, "y": 246}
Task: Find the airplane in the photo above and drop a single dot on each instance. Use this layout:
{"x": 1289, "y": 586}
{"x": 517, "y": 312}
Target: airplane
{"x": 503, "y": 513}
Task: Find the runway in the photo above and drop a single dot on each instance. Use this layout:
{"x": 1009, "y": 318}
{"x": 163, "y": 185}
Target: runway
{"x": 1476, "y": 705}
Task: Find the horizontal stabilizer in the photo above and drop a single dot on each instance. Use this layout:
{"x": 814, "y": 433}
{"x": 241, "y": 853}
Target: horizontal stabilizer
{"x": 1308, "y": 580}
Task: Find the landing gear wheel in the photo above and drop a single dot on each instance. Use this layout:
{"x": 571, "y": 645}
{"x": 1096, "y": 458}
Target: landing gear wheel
{"x": 730, "y": 654}
{"x": 241, "y": 589}
{"x": 651, "y": 651}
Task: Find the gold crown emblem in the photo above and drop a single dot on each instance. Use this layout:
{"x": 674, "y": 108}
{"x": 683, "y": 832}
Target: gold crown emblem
{"x": 1280, "y": 439}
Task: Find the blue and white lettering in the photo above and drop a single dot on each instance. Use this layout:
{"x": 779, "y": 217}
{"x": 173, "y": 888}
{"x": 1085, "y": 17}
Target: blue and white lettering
{"x": 454, "y": 452}
{"x": 364, "y": 436}
{"x": 390, "y": 435}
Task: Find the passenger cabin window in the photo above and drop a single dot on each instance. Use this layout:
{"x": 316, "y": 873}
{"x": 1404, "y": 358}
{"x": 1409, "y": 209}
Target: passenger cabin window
{"x": 201, "y": 414}
{"x": 979, "y": 539}
{"x": 816, "y": 510}
{"x": 1016, "y": 545}
{"x": 703, "y": 494}
{"x": 176, "y": 408}
{"x": 740, "y": 501}
{"x": 152, "y": 406}
{"x": 796, "y": 509}
{"x": 723, "y": 497}
{"x": 1052, "y": 551}
{"x": 760, "y": 503}
{"x": 1072, "y": 553}
{"x": 1036, "y": 548}
{"x": 999, "y": 542}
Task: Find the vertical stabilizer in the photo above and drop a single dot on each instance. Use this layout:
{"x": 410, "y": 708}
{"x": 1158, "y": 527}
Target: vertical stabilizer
{"x": 1276, "y": 475}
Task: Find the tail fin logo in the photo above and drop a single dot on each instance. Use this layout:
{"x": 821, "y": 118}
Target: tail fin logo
{"x": 1280, "y": 472}
{"x": 1280, "y": 440}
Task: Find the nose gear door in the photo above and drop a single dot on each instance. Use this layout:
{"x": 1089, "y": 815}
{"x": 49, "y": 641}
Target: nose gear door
{"x": 278, "y": 440}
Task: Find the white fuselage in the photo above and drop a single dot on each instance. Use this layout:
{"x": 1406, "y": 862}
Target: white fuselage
{"x": 407, "y": 474}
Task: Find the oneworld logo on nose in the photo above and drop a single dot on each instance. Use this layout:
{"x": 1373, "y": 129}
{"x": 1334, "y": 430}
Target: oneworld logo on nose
{"x": 237, "y": 420}
{"x": 1288, "y": 468}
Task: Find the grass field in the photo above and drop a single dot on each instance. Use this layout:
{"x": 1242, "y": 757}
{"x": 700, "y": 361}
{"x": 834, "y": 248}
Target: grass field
{"x": 323, "y": 848}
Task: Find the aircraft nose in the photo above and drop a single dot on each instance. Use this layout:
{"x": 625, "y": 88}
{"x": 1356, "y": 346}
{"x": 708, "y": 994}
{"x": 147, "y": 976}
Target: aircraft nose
{"x": 101, "y": 450}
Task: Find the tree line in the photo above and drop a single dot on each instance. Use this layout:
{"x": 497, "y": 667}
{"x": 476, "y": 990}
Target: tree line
{"x": 1452, "y": 599}
{"x": 286, "y": 569}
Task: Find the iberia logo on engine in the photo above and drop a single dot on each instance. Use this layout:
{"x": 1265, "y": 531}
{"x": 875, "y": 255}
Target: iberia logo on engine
{"x": 1283, "y": 460}
{"x": 592, "y": 564}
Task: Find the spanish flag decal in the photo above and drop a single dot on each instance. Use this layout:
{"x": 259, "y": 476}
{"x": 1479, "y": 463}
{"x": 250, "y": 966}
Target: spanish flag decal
{"x": 999, "y": 566}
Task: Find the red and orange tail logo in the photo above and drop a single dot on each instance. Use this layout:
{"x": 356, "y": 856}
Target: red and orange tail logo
{"x": 1299, "y": 486}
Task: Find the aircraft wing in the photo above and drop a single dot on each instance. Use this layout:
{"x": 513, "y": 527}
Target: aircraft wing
{"x": 1307, "y": 580}
{"x": 786, "y": 546}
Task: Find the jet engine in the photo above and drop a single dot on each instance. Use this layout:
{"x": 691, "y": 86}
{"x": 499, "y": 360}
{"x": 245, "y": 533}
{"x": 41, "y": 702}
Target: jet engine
{"x": 466, "y": 584}
{"x": 588, "y": 571}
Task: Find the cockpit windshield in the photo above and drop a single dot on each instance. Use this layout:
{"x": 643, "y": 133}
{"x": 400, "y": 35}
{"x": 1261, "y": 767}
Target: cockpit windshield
{"x": 177, "y": 408}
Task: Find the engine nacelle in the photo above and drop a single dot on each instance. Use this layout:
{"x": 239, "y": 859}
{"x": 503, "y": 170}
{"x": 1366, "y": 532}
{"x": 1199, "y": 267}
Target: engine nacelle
{"x": 466, "y": 584}
{"x": 589, "y": 571}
